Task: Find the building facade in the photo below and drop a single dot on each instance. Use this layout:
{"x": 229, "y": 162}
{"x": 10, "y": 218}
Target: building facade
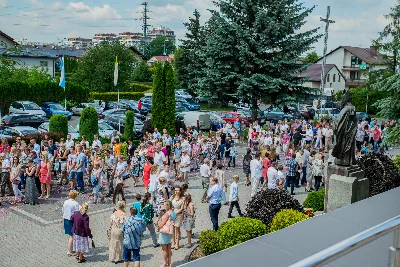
{"x": 355, "y": 63}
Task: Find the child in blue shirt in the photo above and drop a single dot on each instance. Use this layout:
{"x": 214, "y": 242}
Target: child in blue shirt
{"x": 232, "y": 155}
{"x": 138, "y": 204}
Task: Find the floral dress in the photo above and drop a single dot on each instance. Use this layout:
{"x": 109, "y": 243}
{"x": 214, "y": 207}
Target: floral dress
{"x": 188, "y": 221}
{"x": 135, "y": 163}
{"x": 116, "y": 246}
{"x": 160, "y": 199}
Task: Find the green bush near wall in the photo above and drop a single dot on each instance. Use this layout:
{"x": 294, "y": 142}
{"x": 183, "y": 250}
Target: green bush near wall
{"x": 286, "y": 218}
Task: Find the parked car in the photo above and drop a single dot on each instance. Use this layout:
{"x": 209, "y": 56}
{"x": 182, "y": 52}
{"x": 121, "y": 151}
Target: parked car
{"x": 179, "y": 108}
{"x": 26, "y": 107}
{"x": 105, "y": 130}
{"x": 197, "y": 119}
{"x": 183, "y": 93}
{"x": 276, "y": 113}
{"x": 327, "y": 112}
{"x": 248, "y": 115}
{"x": 232, "y": 116}
{"x": 133, "y": 105}
{"x": 51, "y": 108}
{"x": 77, "y": 110}
{"x": 241, "y": 106}
{"x": 147, "y": 102}
{"x": 363, "y": 115}
{"x": 201, "y": 99}
{"x": 115, "y": 112}
{"x": 22, "y": 120}
{"x": 8, "y": 132}
{"x": 118, "y": 123}
{"x": 306, "y": 111}
{"x": 190, "y": 105}
{"x": 114, "y": 105}
{"x": 44, "y": 128}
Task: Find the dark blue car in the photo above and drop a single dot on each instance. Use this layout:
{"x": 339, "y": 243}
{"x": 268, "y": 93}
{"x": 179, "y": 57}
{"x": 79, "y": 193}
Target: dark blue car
{"x": 52, "y": 108}
{"x": 190, "y": 105}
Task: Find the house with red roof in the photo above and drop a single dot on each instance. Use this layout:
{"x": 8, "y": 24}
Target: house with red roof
{"x": 152, "y": 61}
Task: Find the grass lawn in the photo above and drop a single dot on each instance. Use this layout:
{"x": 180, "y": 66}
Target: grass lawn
{"x": 204, "y": 106}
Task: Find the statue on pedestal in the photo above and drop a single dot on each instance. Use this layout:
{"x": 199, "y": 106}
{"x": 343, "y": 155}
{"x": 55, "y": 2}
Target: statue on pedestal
{"x": 345, "y": 129}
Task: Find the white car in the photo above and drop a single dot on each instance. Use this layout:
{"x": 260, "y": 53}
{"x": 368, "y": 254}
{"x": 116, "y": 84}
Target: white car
{"x": 77, "y": 110}
{"x": 44, "y": 128}
{"x": 105, "y": 129}
{"x": 26, "y": 107}
{"x": 17, "y": 131}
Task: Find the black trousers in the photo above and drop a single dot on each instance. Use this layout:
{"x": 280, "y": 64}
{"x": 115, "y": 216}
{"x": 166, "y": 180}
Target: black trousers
{"x": 297, "y": 180}
{"x": 37, "y": 183}
{"x": 234, "y": 204}
{"x": 318, "y": 180}
{"x": 214, "y": 211}
{"x": 168, "y": 148}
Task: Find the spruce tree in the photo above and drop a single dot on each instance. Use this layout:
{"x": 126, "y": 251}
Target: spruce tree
{"x": 129, "y": 130}
{"x": 252, "y": 48}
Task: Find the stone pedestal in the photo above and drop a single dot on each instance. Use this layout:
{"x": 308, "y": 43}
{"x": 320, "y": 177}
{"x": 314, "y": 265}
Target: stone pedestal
{"x": 344, "y": 186}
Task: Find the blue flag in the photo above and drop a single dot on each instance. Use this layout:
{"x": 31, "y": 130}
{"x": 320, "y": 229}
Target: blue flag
{"x": 62, "y": 77}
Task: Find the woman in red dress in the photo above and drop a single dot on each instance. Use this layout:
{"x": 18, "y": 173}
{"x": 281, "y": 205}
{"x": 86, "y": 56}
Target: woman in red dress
{"x": 146, "y": 174}
{"x": 45, "y": 175}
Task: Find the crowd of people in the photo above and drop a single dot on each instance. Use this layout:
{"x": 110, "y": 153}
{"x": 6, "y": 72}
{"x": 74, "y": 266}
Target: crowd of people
{"x": 279, "y": 155}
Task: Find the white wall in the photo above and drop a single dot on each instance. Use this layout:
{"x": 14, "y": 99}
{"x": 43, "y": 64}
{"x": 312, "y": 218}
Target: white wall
{"x": 336, "y": 58}
{"x": 8, "y": 43}
{"x": 31, "y": 62}
{"x": 335, "y": 85}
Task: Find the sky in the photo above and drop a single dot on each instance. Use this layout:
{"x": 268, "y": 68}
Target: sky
{"x": 357, "y": 22}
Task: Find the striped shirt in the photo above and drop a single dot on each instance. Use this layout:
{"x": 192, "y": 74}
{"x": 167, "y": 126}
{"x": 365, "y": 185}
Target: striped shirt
{"x": 133, "y": 229}
{"x": 292, "y": 166}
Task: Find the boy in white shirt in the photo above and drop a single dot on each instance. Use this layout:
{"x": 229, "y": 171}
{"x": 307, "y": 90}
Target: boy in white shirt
{"x": 281, "y": 177}
{"x": 205, "y": 173}
{"x": 234, "y": 197}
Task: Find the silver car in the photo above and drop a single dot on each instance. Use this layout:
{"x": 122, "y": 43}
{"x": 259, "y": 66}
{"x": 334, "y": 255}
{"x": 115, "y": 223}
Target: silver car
{"x": 17, "y": 131}
{"x": 77, "y": 110}
{"x": 26, "y": 107}
{"x": 44, "y": 128}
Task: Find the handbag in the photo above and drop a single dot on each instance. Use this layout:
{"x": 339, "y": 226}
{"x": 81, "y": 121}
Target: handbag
{"x": 168, "y": 228}
{"x": 109, "y": 233}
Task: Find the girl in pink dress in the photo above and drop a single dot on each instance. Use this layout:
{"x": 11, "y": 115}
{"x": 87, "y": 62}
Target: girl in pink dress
{"x": 45, "y": 175}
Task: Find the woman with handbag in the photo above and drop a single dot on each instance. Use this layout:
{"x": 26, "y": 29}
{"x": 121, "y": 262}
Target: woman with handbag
{"x": 165, "y": 227}
{"x": 115, "y": 235}
{"x": 16, "y": 180}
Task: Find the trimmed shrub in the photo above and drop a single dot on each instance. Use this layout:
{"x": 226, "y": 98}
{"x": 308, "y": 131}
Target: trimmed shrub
{"x": 267, "y": 203}
{"x": 88, "y": 125}
{"x": 113, "y": 96}
{"x": 239, "y": 230}
{"x": 315, "y": 200}
{"x": 286, "y": 218}
{"x": 129, "y": 130}
{"x": 59, "y": 124}
{"x": 209, "y": 242}
{"x": 396, "y": 161}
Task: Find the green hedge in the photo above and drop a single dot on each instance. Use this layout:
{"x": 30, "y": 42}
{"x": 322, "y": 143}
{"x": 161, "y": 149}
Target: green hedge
{"x": 39, "y": 92}
{"x": 113, "y": 96}
{"x": 239, "y": 230}
{"x": 58, "y": 124}
{"x": 137, "y": 87}
{"x": 396, "y": 161}
{"x": 209, "y": 242}
{"x": 315, "y": 200}
{"x": 285, "y": 218}
{"x": 89, "y": 123}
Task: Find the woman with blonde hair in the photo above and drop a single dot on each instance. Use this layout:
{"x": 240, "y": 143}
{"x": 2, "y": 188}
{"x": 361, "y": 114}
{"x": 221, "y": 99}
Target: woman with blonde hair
{"x": 81, "y": 232}
{"x": 116, "y": 236}
{"x": 165, "y": 239}
{"x": 189, "y": 218}
{"x": 45, "y": 175}
{"x": 16, "y": 180}
{"x": 70, "y": 206}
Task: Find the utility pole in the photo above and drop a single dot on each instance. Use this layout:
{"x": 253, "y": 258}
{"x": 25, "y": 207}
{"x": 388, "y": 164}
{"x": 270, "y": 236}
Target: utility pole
{"x": 145, "y": 26}
{"x": 327, "y": 22}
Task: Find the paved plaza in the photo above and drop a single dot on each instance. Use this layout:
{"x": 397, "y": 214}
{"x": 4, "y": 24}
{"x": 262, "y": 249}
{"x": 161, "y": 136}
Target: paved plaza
{"x": 34, "y": 236}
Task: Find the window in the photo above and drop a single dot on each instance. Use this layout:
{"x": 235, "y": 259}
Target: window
{"x": 354, "y": 75}
{"x": 44, "y": 64}
{"x": 328, "y": 77}
{"x": 338, "y": 77}
{"x": 355, "y": 61}
{"x": 334, "y": 77}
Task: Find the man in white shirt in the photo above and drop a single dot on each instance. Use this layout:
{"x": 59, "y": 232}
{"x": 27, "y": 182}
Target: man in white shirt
{"x": 36, "y": 146}
{"x": 69, "y": 142}
{"x": 96, "y": 141}
{"x": 272, "y": 175}
{"x": 309, "y": 135}
{"x": 257, "y": 127}
{"x": 205, "y": 173}
{"x": 5, "y": 175}
{"x": 255, "y": 173}
{"x": 268, "y": 140}
{"x": 284, "y": 127}
{"x": 159, "y": 158}
{"x": 185, "y": 166}
{"x": 328, "y": 138}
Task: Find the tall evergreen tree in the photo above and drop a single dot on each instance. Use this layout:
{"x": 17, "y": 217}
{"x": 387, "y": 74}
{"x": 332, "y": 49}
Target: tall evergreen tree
{"x": 187, "y": 60}
{"x": 163, "y": 100}
{"x": 251, "y": 50}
